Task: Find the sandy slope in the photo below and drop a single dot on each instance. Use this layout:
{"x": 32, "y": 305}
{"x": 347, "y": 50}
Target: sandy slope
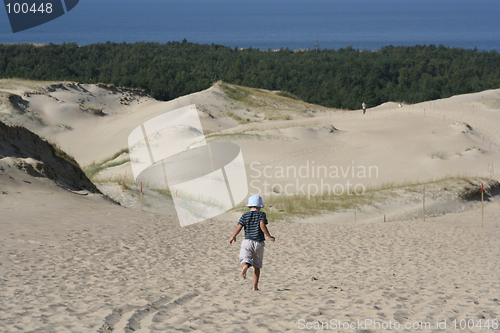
{"x": 103, "y": 269}
{"x": 74, "y": 262}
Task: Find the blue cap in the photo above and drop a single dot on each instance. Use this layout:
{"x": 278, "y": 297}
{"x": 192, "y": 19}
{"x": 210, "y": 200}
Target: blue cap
{"x": 255, "y": 201}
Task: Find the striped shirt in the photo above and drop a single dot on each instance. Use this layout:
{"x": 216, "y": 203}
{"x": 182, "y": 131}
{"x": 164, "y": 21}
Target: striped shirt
{"x": 251, "y": 223}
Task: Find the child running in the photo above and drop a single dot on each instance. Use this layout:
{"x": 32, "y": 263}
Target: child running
{"x": 252, "y": 247}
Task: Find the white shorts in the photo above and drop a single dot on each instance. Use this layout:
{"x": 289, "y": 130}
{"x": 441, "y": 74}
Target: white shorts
{"x": 252, "y": 252}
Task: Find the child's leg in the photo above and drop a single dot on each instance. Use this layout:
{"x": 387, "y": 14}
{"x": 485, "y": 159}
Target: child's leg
{"x": 258, "y": 256}
{"x": 244, "y": 268}
{"x": 256, "y": 275}
{"x": 245, "y": 257}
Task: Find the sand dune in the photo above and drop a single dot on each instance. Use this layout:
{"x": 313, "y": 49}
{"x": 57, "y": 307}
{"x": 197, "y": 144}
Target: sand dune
{"x": 73, "y": 261}
{"x": 104, "y": 270}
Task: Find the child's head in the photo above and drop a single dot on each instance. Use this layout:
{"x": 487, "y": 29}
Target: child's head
{"x": 255, "y": 201}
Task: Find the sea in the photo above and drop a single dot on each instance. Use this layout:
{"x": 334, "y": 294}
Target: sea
{"x": 273, "y": 24}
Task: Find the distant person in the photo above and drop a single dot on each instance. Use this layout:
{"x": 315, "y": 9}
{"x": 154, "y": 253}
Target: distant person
{"x": 252, "y": 247}
{"x": 400, "y": 105}
{"x": 363, "y": 105}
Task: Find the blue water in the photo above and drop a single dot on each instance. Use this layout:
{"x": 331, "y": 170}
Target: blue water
{"x": 264, "y": 24}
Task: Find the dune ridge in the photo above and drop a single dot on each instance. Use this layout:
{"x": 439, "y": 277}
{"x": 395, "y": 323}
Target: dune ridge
{"x": 26, "y": 151}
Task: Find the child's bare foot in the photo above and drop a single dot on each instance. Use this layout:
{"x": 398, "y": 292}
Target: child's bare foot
{"x": 244, "y": 272}
{"x": 256, "y": 289}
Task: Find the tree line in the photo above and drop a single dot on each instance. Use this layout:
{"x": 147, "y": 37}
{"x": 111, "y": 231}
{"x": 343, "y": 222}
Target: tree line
{"x": 340, "y": 78}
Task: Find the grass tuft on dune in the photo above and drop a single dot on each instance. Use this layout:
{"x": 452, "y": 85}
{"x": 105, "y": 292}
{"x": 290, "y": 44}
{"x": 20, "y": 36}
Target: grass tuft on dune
{"x": 94, "y": 168}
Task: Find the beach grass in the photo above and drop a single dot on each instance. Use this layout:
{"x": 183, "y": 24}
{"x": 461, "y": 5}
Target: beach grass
{"x": 254, "y": 97}
{"x": 122, "y": 179}
{"x": 439, "y": 154}
{"x": 237, "y": 118}
{"x": 286, "y": 207}
{"x": 96, "y": 167}
{"x": 62, "y": 154}
{"x": 165, "y": 192}
{"x": 236, "y": 136}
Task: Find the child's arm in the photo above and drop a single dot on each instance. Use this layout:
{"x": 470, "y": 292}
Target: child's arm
{"x": 263, "y": 227}
{"x": 236, "y": 232}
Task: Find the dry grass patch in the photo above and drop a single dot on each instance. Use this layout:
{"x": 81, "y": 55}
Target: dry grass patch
{"x": 284, "y": 207}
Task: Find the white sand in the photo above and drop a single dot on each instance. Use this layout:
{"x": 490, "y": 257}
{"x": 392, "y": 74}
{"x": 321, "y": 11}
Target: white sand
{"x": 70, "y": 275}
{"x": 74, "y": 262}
